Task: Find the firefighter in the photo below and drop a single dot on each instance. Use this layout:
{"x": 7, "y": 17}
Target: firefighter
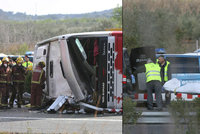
{"x": 37, "y": 84}
{"x": 153, "y": 82}
{"x": 4, "y": 80}
{"x": 165, "y": 76}
{"x": 18, "y": 77}
{"x": 9, "y": 83}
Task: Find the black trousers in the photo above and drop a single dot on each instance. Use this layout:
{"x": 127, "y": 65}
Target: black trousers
{"x": 157, "y": 86}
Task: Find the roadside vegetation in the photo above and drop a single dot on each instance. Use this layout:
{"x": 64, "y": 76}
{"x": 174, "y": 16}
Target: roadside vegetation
{"x": 186, "y": 116}
{"x": 130, "y": 115}
{"x": 170, "y": 24}
{"x": 16, "y": 37}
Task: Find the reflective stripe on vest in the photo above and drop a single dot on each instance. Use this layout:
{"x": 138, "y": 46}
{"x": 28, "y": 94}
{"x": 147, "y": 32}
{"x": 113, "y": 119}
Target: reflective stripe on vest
{"x": 26, "y": 64}
{"x": 16, "y": 73}
{"x": 3, "y": 81}
{"x": 152, "y": 72}
{"x": 5, "y": 77}
{"x": 18, "y": 81}
{"x": 166, "y": 69}
{"x": 38, "y": 82}
{"x": 3, "y": 74}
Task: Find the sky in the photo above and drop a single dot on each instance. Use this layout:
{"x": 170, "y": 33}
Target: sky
{"x": 44, "y": 7}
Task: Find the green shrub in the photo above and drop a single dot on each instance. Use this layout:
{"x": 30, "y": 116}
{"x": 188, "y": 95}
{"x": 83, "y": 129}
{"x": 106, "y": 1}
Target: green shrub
{"x": 130, "y": 115}
{"x": 186, "y": 116}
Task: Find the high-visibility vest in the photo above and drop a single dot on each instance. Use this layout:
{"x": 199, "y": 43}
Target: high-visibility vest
{"x": 26, "y": 64}
{"x": 165, "y": 71}
{"x": 152, "y": 72}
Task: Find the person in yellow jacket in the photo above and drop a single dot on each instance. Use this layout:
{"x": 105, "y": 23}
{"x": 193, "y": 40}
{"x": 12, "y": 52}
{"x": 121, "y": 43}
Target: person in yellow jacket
{"x": 153, "y": 82}
{"x": 27, "y": 62}
{"x": 165, "y": 73}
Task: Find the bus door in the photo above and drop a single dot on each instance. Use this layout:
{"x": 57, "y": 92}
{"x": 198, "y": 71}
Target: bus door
{"x": 41, "y": 54}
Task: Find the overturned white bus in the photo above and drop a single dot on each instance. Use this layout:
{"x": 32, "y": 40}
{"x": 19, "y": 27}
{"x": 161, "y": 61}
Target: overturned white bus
{"x": 85, "y": 66}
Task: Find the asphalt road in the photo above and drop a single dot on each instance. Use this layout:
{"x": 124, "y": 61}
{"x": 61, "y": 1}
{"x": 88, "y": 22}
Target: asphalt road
{"x": 23, "y": 121}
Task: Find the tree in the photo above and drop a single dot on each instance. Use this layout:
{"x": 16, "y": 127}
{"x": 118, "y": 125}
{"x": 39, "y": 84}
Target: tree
{"x": 117, "y": 15}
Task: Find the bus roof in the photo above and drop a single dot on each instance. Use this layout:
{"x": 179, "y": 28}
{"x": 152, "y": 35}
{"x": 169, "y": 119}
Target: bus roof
{"x": 84, "y": 34}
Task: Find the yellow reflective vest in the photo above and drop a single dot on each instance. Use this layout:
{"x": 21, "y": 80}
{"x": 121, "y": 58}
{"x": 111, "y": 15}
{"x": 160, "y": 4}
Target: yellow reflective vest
{"x": 165, "y": 73}
{"x": 26, "y": 64}
{"x": 152, "y": 72}
{"x": 165, "y": 70}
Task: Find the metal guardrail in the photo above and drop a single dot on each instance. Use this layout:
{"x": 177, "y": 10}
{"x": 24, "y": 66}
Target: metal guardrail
{"x": 155, "y": 118}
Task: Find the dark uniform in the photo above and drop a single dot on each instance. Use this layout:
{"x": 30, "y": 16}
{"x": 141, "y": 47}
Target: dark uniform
{"x": 165, "y": 73}
{"x": 18, "y": 76}
{"x": 153, "y": 82}
{"x": 4, "y": 80}
{"x": 37, "y": 84}
{"x": 10, "y": 84}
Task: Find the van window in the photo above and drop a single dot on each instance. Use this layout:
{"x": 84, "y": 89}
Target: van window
{"x": 184, "y": 64}
{"x": 44, "y": 52}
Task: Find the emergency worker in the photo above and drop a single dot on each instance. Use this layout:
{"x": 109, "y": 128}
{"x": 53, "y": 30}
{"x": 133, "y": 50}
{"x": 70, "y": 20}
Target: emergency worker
{"x": 153, "y": 82}
{"x": 28, "y": 67}
{"x": 28, "y": 77}
{"x": 27, "y": 62}
{"x": 9, "y": 82}
{"x": 37, "y": 84}
{"x": 165, "y": 73}
{"x": 18, "y": 77}
{"x": 4, "y": 80}
{"x": 10, "y": 63}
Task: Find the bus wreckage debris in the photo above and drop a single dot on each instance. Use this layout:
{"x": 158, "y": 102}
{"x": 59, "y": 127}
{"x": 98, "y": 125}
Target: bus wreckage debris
{"x": 59, "y": 105}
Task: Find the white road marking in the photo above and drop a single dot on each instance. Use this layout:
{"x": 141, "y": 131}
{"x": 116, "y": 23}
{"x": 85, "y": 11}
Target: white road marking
{"x": 64, "y": 119}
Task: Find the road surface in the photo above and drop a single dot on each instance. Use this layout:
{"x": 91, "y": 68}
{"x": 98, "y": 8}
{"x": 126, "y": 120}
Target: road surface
{"x": 24, "y": 121}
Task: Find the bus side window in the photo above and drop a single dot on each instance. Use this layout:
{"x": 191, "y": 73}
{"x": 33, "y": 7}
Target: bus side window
{"x": 51, "y": 69}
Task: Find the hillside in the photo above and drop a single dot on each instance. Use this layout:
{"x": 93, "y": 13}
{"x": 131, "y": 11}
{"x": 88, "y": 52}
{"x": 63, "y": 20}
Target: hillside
{"x": 170, "y": 24}
{"x": 24, "y": 17}
{"x": 20, "y": 32}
